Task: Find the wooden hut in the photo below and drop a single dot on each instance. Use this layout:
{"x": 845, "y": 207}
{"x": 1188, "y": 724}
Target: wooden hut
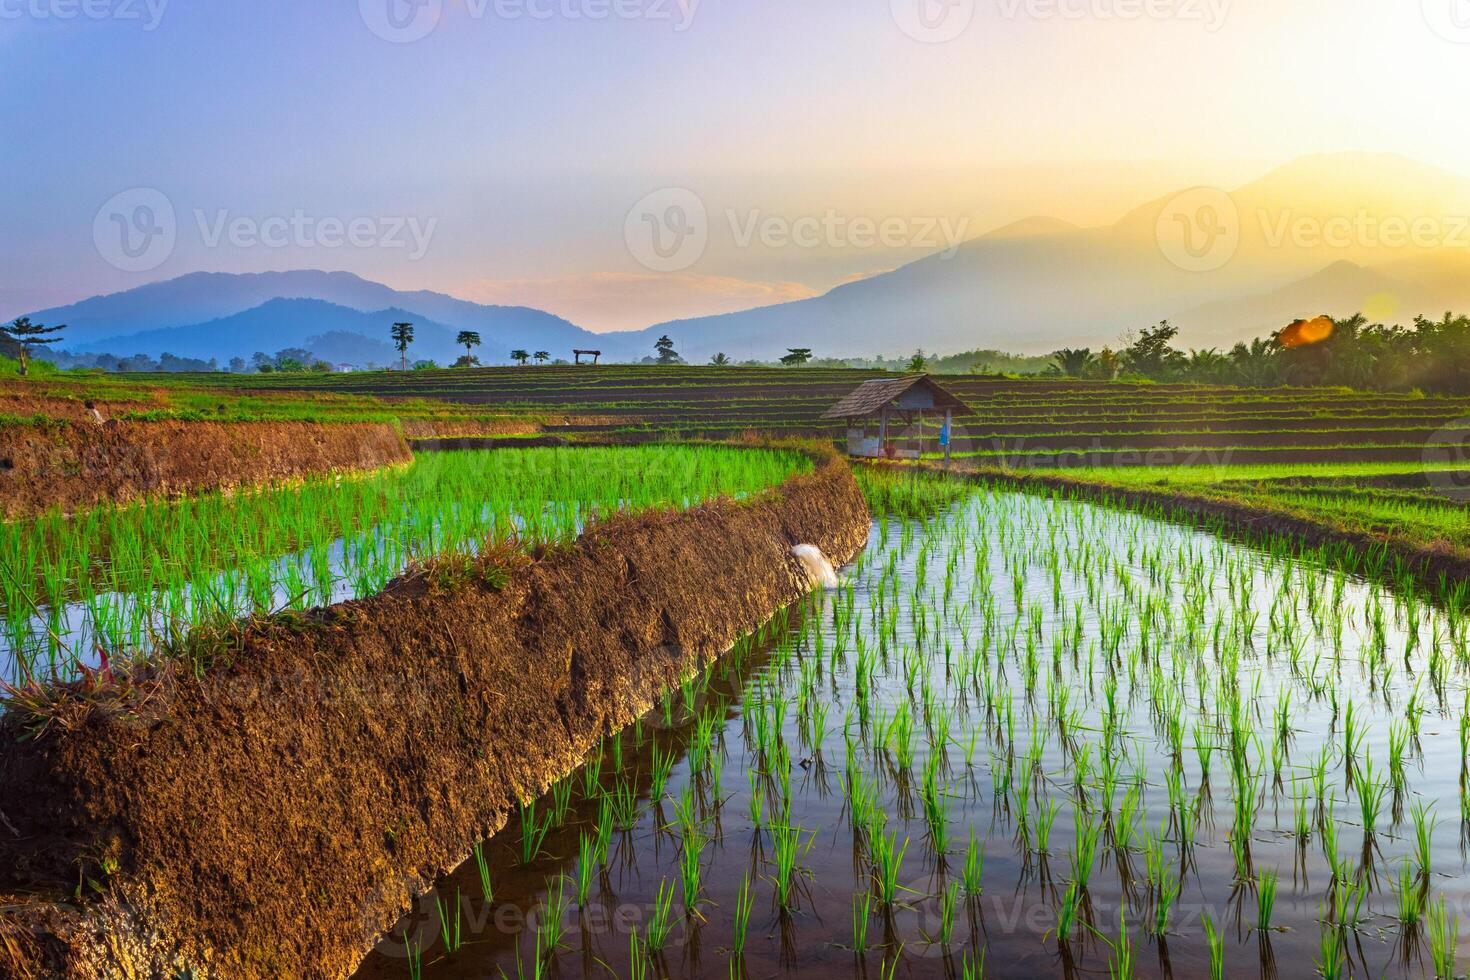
{"x": 893, "y": 404}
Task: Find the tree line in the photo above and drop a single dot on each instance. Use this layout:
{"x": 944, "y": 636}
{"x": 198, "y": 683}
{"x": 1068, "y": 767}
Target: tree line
{"x": 1431, "y": 356}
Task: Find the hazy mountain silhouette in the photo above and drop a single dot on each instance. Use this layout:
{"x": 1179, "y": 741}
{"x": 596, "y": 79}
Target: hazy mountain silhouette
{"x": 1040, "y": 284}
{"x": 227, "y": 314}
{"x": 1310, "y": 237}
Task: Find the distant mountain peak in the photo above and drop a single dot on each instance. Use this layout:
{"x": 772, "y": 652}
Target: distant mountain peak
{"x": 1036, "y": 226}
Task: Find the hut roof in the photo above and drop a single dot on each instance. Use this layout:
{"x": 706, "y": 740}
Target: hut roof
{"x": 870, "y": 396}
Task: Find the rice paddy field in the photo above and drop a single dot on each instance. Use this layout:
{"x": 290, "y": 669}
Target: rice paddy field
{"x": 121, "y": 583}
{"x": 1426, "y": 504}
{"x": 1031, "y": 422}
{"x": 1024, "y": 736}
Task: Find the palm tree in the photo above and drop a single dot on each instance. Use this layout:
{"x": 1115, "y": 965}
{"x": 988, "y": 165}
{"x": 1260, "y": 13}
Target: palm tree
{"x": 1257, "y": 366}
{"x": 1207, "y": 365}
{"x": 520, "y": 356}
{"x": 720, "y": 360}
{"x": 402, "y": 337}
{"x": 1073, "y": 361}
{"x": 468, "y": 339}
{"x": 918, "y": 362}
{"x": 542, "y": 356}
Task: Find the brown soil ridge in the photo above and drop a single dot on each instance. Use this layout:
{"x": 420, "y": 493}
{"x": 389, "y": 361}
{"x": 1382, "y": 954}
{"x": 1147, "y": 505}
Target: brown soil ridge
{"x": 76, "y": 465}
{"x": 274, "y": 818}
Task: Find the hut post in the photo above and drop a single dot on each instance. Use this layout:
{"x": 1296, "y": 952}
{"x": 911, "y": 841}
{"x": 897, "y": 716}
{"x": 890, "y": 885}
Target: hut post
{"x": 883, "y": 432}
{"x": 947, "y": 434}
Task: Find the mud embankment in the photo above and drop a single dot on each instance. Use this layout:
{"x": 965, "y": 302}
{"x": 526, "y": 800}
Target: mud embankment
{"x": 75, "y": 465}
{"x": 273, "y": 818}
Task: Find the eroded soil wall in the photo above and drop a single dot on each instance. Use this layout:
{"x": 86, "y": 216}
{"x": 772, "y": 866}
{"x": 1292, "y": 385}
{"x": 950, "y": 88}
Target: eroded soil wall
{"x": 274, "y": 818}
{"x": 75, "y": 465}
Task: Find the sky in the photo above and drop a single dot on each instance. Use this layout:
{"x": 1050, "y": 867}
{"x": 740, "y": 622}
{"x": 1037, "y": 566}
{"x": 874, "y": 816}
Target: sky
{"x": 624, "y": 162}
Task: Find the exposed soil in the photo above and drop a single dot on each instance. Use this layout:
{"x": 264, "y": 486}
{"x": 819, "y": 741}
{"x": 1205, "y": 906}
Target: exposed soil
{"x": 74, "y": 465}
{"x": 272, "y": 818}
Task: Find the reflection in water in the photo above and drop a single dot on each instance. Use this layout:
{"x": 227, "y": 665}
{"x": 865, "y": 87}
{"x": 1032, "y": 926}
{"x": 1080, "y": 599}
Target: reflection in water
{"x": 1026, "y": 738}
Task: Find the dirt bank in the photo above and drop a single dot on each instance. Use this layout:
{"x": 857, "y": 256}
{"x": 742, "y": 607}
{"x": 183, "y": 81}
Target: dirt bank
{"x": 274, "y": 817}
{"x": 76, "y": 465}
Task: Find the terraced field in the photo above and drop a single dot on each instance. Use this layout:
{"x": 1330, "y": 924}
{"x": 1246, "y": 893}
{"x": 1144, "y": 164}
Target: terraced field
{"x": 1014, "y": 422}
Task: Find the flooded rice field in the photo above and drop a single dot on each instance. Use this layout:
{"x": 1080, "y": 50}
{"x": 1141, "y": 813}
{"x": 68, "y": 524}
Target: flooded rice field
{"x": 1025, "y": 737}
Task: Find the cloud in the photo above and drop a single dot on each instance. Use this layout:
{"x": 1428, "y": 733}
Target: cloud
{"x": 629, "y": 301}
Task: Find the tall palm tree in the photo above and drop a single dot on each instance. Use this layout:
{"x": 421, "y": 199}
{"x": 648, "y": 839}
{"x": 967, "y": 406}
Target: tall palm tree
{"x": 402, "y": 337}
{"x": 520, "y": 356}
{"x": 468, "y": 339}
{"x": 720, "y": 360}
{"x": 542, "y": 356}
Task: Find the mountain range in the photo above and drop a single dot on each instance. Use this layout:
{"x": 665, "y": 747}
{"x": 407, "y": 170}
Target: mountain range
{"x": 1332, "y": 234}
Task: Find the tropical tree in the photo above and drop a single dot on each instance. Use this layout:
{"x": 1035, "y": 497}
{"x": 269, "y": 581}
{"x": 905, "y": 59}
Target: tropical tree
{"x": 28, "y": 336}
{"x": 665, "y": 351}
{"x": 918, "y": 362}
{"x": 796, "y": 356}
{"x": 1207, "y": 365}
{"x": 402, "y": 337}
{"x": 1151, "y": 354}
{"x": 542, "y": 356}
{"x": 468, "y": 339}
{"x": 1074, "y": 362}
{"x": 520, "y": 356}
{"x": 720, "y": 360}
{"x": 1256, "y": 365}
